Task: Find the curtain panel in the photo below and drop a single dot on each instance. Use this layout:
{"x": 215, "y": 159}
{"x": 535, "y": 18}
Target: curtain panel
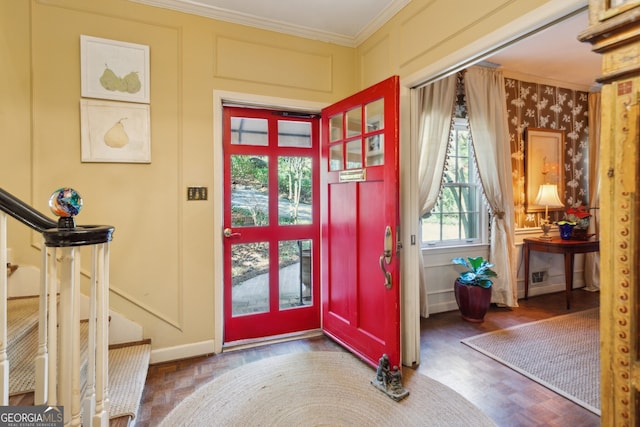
{"x": 490, "y": 135}
{"x": 435, "y": 103}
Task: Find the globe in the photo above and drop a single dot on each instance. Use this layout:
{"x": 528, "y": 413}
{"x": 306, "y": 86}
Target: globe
{"x": 65, "y": 202}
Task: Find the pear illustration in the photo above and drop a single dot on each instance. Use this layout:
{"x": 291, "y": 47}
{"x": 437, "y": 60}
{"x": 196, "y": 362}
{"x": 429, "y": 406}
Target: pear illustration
{"x": 116, "y": 137}
{"x": 109, "y": 80}
{"x": 132, "y": 82}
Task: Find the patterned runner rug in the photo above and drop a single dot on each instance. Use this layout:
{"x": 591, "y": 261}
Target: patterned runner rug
{"x": 320, "y": 388}
{"x": 562, "y": 353}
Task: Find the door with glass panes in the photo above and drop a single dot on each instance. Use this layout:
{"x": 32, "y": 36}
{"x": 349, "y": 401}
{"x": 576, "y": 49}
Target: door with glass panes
{"x": 360, "y": 222}
{"x": 271, "y": 223}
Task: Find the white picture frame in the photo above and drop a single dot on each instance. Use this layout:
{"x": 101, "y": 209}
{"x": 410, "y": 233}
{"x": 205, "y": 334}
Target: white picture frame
{"x": 116, "y": 132}
{"x": 115, "y": 70}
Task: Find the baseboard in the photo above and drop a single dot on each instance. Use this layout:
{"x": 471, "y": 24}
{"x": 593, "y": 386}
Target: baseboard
{"x": 549, "y": 288}
{"x": 534, "y": 290}
{"x": 443, "y": 307}
{"x": 184, "y": 351}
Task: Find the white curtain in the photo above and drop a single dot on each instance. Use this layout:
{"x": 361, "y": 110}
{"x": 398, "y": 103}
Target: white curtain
{"x": 592, "y": 259}
{"x": 490, "y": 134}
{"x": 435, "y": 104}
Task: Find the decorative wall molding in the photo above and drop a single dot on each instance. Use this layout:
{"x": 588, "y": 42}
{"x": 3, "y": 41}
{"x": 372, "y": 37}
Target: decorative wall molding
{"x": 242, "y": 60}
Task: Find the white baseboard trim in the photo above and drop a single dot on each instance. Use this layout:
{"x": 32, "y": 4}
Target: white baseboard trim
{"x": 534, "y": 290}
{"x": 443, "y": 307}
{"x": 184, "y": 351}
{"x": 550, "y": 288}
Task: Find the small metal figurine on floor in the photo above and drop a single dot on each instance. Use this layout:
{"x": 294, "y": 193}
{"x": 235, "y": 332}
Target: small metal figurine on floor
{"x": 389, "y": 381}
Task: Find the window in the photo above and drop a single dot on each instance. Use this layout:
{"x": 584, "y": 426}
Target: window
{"x": 460, "y": 216}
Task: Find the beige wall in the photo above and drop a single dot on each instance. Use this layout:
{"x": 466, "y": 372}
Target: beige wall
{"x": 162, "y": 253}
{"x": 162, "y": 273}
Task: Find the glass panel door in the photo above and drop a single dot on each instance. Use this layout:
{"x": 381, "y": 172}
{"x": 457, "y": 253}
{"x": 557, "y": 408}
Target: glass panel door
{"x": 271, "y": 224}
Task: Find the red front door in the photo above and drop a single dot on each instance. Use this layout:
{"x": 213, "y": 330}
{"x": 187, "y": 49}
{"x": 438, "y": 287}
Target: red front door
{"x": 271, "y": 221}
{"x": 360, "y": 213}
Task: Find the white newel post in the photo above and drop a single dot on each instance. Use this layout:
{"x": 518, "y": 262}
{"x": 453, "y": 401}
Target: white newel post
{"x": 4, "y": 361}
{"x": 92, "y": 407}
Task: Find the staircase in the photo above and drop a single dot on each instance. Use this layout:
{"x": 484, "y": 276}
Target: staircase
{"x": 54, "y": 350}
{"x": 128, "y": 362}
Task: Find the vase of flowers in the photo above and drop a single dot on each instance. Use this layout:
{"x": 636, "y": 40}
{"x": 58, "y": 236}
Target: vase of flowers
{"x": 575, "y": 223}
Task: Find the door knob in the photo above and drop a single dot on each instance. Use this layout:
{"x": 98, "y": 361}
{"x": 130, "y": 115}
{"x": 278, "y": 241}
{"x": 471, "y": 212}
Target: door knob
{"x": 228, "y": 233}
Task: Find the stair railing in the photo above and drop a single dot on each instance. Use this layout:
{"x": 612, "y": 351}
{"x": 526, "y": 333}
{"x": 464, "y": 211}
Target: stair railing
{"x": 58, "y": 362}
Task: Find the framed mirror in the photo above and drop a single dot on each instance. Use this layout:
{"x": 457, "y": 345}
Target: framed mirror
{"x": 544, "y": 164}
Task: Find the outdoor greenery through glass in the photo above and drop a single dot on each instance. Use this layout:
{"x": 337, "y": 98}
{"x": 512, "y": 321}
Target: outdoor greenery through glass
{"x": 456, "y": 216}
{"x": 250, "y": 207}
{"x": 249, "y": 193}
{"x": 294, "y": 189}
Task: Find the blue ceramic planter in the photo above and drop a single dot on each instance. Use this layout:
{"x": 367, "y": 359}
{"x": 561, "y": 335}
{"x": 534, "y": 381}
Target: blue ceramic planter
{"x": 565, "y": 231}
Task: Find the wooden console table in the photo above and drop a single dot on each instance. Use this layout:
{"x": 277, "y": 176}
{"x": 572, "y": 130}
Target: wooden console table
{"x": 558, "y": 246}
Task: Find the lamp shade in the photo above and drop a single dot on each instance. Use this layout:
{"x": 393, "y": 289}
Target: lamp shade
{"x": 548, "y": 196}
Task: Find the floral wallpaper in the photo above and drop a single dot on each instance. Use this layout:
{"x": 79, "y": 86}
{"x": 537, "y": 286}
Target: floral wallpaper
{"x": 542, "y": 106}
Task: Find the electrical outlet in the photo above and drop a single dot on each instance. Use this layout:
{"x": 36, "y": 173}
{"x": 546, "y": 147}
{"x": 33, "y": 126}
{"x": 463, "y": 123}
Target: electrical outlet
{"x": 538, "y": 276}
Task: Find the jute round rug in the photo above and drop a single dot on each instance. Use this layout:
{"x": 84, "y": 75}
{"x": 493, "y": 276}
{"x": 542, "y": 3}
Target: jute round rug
{"x": 320, "y": 389}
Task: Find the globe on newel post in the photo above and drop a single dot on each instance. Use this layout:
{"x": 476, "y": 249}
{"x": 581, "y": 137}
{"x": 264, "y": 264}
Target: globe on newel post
{"x": 66, "y": 203}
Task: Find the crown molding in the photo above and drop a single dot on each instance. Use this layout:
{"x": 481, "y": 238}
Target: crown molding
{"x": 194, "y": 8}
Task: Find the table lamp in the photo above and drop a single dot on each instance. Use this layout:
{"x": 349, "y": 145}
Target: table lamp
{"x": 548, "y": 196}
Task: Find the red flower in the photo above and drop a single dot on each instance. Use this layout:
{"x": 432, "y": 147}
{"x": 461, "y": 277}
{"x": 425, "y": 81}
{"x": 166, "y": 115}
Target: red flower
{"x": 581, "y": 212}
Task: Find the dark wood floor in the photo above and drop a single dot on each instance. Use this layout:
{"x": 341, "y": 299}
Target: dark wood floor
{"x": 509, "y": 398}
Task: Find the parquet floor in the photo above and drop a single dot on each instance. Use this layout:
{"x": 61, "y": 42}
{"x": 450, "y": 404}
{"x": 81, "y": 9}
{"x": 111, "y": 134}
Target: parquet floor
{"x": 506, "y": 396}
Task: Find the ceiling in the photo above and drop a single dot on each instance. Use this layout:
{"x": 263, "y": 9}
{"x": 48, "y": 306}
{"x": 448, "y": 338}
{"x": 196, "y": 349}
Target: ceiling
{"x": 553, "y": 54}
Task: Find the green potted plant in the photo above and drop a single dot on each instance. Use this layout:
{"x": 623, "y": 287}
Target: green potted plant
{"x": 472, "y": 288}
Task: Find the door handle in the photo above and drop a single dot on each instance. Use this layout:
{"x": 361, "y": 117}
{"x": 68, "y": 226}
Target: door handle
{"x": 387, "y": 255}
{"x": 387, "y": 274}
{"x": 228, "y": 233}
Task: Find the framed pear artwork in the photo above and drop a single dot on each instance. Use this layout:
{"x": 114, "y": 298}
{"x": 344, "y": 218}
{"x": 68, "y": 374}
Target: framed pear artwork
{"x": 112, "y": 69}
{"x": 115, "y": 121}
{"x": 115, "y": 132}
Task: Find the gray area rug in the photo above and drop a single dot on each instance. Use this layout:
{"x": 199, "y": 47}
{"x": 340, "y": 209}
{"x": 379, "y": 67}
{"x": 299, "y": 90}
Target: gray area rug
{"x": 562, "y": 353}
{"x": 320, "y": 388}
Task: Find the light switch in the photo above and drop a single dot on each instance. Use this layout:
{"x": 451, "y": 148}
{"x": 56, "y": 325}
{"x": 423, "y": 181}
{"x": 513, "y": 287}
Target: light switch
{"x": 196, "y": 193}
